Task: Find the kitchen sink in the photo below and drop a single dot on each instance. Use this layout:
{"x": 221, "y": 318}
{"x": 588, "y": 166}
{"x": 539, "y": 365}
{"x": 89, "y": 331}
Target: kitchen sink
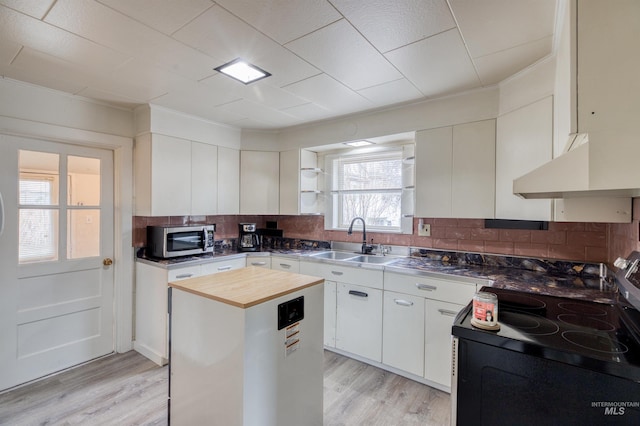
{"x": 335, "y": 255}
{"x": 370, "y": 259}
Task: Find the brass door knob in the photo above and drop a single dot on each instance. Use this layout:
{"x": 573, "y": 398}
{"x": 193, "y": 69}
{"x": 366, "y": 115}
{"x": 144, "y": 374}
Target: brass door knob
{"x": 107, "y": 262}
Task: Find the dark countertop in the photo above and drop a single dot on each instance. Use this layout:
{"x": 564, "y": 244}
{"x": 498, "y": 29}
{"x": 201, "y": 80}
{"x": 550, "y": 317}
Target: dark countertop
{"x": 588, "y": 287}
{"x": 566, "y": 283}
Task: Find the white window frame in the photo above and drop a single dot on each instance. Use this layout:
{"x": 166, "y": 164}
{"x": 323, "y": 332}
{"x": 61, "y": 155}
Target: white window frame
{"x": 333, "y": 194}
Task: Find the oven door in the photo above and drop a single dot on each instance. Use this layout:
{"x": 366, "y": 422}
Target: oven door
{"x": 185, "y": 241}
{"x": 496, "y": 386}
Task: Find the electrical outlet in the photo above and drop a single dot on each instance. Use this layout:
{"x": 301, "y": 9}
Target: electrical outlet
{"x": 424, "y": 230}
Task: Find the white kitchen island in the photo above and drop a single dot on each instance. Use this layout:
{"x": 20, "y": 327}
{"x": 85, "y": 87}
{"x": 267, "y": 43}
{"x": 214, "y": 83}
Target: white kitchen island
{"x": 230, "y": 364}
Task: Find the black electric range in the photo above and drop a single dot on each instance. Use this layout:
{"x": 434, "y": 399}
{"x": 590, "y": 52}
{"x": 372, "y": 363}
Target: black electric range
{"x": 553, "y": 361}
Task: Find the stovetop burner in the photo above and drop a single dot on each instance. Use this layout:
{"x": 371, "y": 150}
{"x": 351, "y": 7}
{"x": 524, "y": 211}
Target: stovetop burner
{"x": 595, "y": 342}
{"x": 588, "y": 322}
{"x": 528, "y": 323}
{"x": 584, "y": 309}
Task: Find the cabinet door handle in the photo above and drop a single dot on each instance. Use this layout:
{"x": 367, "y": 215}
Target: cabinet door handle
{"x": 181, "y": 276}
{"x": 258, "y": 263}
{"x": 403, "y": 302}
{"x": 358, "y": 293}
{"x": 337, "y": 272}
{"x": 426, "y": 287}
{"x": 224, "y": 268}
{"x": 285, "y": 265}
{"x": 447, "y": 312}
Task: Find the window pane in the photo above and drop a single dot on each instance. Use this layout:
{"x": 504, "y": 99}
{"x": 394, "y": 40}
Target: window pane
{"x": 83, "y": 233}
{"x": 38, "y": 235}
{"x": 39, "y": 177}
{"x": 377, "y": 209}
{"x": 377, "y": 174}
{"x": 83, "y": 181}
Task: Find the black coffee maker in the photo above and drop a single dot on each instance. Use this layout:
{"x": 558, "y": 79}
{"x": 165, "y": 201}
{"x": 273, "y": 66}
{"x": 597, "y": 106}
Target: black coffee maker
{"x": 248, "y": 238}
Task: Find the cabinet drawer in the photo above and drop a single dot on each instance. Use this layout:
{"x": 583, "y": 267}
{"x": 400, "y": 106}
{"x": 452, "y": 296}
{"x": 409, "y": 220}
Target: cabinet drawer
{"x": 344, "y": 274}
{"x": 259, "y": 261}
{"x": 223, "y": 265}
{"x": 184, "y": 273}
{"x": 285, "y": 264}
{"x": 431, "y": 288}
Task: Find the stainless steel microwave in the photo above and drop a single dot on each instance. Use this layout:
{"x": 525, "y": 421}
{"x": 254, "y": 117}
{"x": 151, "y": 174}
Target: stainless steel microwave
{"x": 173, "y": 241}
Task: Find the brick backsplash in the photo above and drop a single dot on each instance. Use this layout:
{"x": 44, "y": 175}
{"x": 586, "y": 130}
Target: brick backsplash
{"x": 580, "y": 241}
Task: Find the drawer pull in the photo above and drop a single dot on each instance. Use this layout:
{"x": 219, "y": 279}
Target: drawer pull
{"x": 358, "y": 293}
{"x": 337, "y": 272}
{"x": 285, "y": 265}
{"x": 258, "y": 263}
{"x": 224, "y": 268}
{"x": 447, "y": 312}
{"x": 403, "y": 302}
{"x": 183, "y": 276}
{"x": 426, "y": 287}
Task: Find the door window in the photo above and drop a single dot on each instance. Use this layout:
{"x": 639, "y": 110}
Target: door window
{"x": 38, "y": 206}
{"x": 41, "y": 216}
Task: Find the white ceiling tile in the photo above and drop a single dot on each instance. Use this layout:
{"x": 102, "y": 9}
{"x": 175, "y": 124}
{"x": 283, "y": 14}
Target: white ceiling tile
{"x": 97, "y": 22}
{"x": 437, "y": 65}
{"x": 113, "y": 98}
{"x": 41, "y": 36}
{"x": 496, "y": 67}
{"x": 308, "y": 112}
{"x": 166, "y": 16}
{"x": 340, "y": 51}
{"x": 391, "y": 24}
{"x": 221, "y": 35}
{"x": 198, "y": 99}
{"x": 45, "y": 70}
{"x": 283, "y": 20}
{"x": 275, "y": 97}
{"x": 328, "y": 93}
{"x": 35, "y": 8}
{"x": 8, "y": 51}
{"x": 259, "y": 112}
{"x": 392, "y": 92}
{"x": 489, "y": 26}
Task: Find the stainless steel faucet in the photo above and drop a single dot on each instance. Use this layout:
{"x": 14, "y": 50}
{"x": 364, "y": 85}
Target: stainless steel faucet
{"x": 366, "y": 249}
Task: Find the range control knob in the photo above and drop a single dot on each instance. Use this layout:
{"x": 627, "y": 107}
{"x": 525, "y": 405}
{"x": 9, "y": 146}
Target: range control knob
{"x": 621, "y": 263}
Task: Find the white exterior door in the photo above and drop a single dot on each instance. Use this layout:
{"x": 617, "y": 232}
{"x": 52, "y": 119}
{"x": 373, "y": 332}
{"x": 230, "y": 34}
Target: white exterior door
{"x": 56, "y": 280}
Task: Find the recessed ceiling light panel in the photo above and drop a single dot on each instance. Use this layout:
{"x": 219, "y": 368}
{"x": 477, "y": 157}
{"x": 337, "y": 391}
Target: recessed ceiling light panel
{"x": 242, "y": 71}
{"x": 358, "y": 143}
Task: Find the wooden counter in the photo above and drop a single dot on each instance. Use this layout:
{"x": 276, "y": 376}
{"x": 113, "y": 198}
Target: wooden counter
{"x": 246, "y": 287}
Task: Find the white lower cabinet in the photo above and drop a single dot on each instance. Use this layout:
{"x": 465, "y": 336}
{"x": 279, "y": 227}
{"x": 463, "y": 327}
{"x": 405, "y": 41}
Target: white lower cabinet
{"x": 437, "y": 348}
{"x": 151, "y": 299}
{"x": 330, "y": 305}
{"x": 359, "y": 320}
{"x": 260, "y": 261}
{"x": 286, "y": 264}
{"x": 403, "y": 332}
{"x": 223, "y": 265}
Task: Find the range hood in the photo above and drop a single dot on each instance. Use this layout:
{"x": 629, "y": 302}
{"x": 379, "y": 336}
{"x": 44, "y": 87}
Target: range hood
{"x": 575, "y": 173}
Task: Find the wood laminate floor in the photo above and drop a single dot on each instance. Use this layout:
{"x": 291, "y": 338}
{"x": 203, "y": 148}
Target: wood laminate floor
{"x": 128, "y": 389}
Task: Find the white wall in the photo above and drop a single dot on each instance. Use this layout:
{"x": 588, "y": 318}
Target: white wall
{"x": 472, "y": 106}
{"x": 156, "y": 119}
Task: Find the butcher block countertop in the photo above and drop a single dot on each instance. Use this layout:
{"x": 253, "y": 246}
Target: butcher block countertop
{"x": 246, "y": 287}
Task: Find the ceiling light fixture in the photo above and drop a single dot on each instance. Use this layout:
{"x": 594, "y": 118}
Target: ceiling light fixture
{"x": 242, "y": 71}
{"x": 359, "y": 143}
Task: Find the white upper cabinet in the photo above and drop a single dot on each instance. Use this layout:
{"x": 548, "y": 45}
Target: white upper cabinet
{"x": 228, "y": 180}
{"x": 259, "y": 182}
{"x": 455, "y": 171}
{"x": 204, "y": 178}
{"x": 177, "y": 177}
{"x": 523, "y": 142}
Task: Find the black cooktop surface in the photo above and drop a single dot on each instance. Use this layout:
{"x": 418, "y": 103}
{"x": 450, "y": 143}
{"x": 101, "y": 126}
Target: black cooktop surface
{"x": 591, "y": 335}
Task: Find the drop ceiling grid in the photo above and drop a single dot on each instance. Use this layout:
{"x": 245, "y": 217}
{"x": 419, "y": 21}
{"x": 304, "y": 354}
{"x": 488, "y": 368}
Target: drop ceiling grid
{"x": 146, "y": 51}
